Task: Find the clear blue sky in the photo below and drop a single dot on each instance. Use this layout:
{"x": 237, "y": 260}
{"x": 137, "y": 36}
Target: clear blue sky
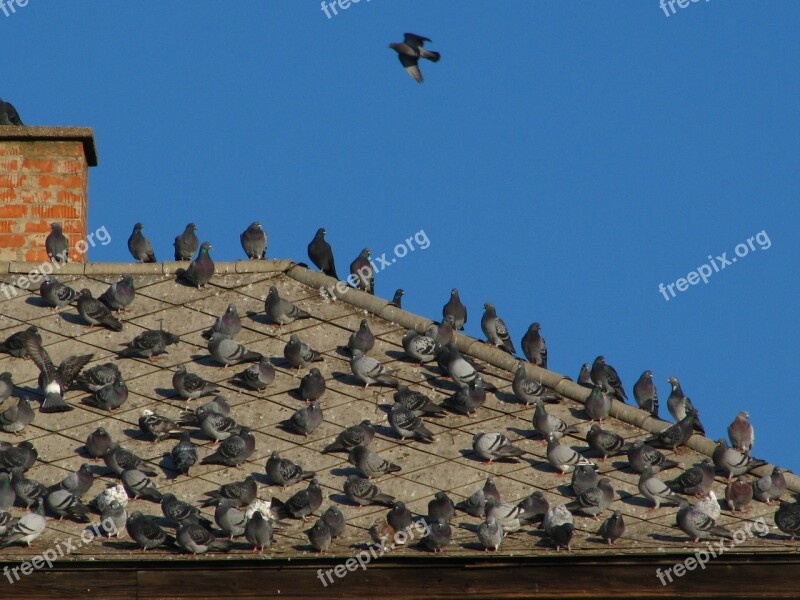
{"x": 563, "y": 158}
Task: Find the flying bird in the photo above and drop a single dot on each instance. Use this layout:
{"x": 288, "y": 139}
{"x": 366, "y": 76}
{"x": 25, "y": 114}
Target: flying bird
{"x": 410, "y": 50}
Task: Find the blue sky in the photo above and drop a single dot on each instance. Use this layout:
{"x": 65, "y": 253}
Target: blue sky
{"x": 563, "y": 158}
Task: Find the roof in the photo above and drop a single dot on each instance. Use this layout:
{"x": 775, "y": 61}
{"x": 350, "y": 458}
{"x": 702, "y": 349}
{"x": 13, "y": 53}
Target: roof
{"x": 447, "y": 464}
{"x": 28, "y": 133}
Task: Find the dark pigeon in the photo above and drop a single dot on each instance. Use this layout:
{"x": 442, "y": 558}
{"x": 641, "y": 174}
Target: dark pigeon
{"x": 495, "y": 330}
{"x": 320, "y": 253}
{"x": 9, "y": 114}
{"x": 645, "y": 394}
{"x": 228, "y": 324}
{"x": 15, "y": 343}
{"x": 312, "y": 386}
{"x": 149, "y": 344}
{"x": 184, "y": 454}
{"x": 57, "y": 244}
{"x": 201, "y": 269}
{"x": 95, "y": 312}
{"x": 53, "y": 382}
{"x": 534, "y": 347}
{"x": 254, "y": 241}
{"x": 410, "y": 50}
{"x": 679, "y": 404}
{"x": 120, "y": 294}
{"x": 606, "y": 376}
{"x": 56, "y": 294}
{"x": 362, "y": 272}
{"x": 99, "y": 376}
{"x": 140, "y": 247}
{"x": 186, "y": 244}
{"x": 456, "y": 309}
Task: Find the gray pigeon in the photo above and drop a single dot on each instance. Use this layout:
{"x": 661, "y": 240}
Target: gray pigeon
{"x": 370, "y": 463}
{"x": 694, "y": 481}
{"x": 741, "y": 433}
{"x": 230, "y": 352}
{"x": 254, "y": 241}
{"x": 597, "y": 404}
{"x": 655, "y": 490}
{"x": 7, "y": 494}
{"x": 698, "y": 525}
{"x": 469, "y": 399}
{"x": 443, "y": 332}
{"x": 201, "y": 269}
{"x": 244, "y": 492}
{"x": 99, "y": 376}
{"x": 119, "y": 294}
{"x": 17, "y": 416}
{"x": 439, "y": 535}
{"x": 594, "y": 501}
{"x": 612, "y": 528}
{"x": 98, "y": 442}
{"x": 140, "y": 247}
{"x": 27, "y": 528}
{"x": 419, "y": 348}
{"x": 6, "y": 386}
{"x": 95, "y": 312}
{"x": 495, "y": 446}
{"x": 158, "y": 427}
{"x": 15, "y": 343}
{"x": 190, "y": 386}
{"x": 417, "y": 402}
{"x": 362, "y": 339}
{"x": 149, "y": 344}
{"x": 233, "y": 451}
{"x": 28, "y": 491}
{"x": 63, "y": 503}
{"x": 180, "y": 512}
{"x": 259, "y": 375}
{"x": 196, "y": 539}
{"x": 9, "y": 114}
{"x": 369, "y": 370}
{"x": 563, "y": 458}
{"x": 283, "y": 471}
{"x": 732, "y": 461}
{"x": 335, "y": 521}
{"x": 56, "y": 294}
{"x": 258, "y": 531}
{"x": 739, "y": 494}
{"x": 640, "y": 455}
{"x": 605, "y": 375}
{"x": 120, "y": 459}
{"x": 186, "y": 244}
{"x": 679, "y": 405}
{"x": 56, "y": 244}
{"x": 230, "y": 519}
{"x": 305, "y": 420}
{"x": 495, "y": 330}
{"x": 606, "y": 443}
{"x": 301, "y": 505}
{"x": 77, "y": 483}
{"x": 584, "y": 478}
{"x": 145, "y": 531}
{"x": 512, "y": 517}
{"x": 410, "y": 50}
{"x": 22, "y": 456}
{"x": 113, "y": 519}
{"x": 441, "y": 508}
{"x": 140, "y": 485}
{"x": 545, "y": 423}
{"x": 407, "y": 425}
{"x": 362, "y": 272}
{"x": 557, "y": 524}
{"x": 320, "y": 253}
{"x": 228, "y": 324}
{"x": 534, "y": 347}
{"x": 312, "y": 386}
{"x": 460, "y": 369}
{"x": 184, "y": 454}
{"x": 399, "y": 517}
{"x": 645, "y": 393}
{"x": 218, "y": 405}
{"x": 455, "y": 309}
{"x": 363, "y": 492}
{"x": 787, "y": 518}
{"x": 109, "y": 397}
{"x": 770, "y": 487}
{"x": 280, "y": 311}
{"x": 585, "y": 376}
{"x": 475, "y": 505}
{"x": 53, "y": 382}
{"x": 677, "y": 434}
{"x": 320, "y": 536}
{"x": 299, "y": 354}
{"x": 528, "y": 390}
{"x": 355, "y": 435}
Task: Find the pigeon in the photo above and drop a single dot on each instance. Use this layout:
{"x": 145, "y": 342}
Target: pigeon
{"x": 299, "y": 354}
{"x": 16, "y": 416}
{"x": 217, "y": 426}
{"x": 95, "y": 312}
{"x": 469, "y": 399}
{"x": 612, "y": 528}
{"x": 9, "y": 114}
{"x": 196, "y": 539}
{"x": 233, "y": 451}
{"x": 733, "y": 462}
{"x": 53, "y": 382}
{"x": 100, "y": 376}
{"x": 139, "y": 246}
{"x": 679, "y": 405}
{"x": 109, "y": 397}
{"x": 363, "y": 339}
{"x": 56, "y": 244}
{"x": 399, "y": 517}
{"x": 77, "y": 483}
{"x": 254, "y": 241}
{"x": 180, "y": 512}
{"x": 512, "y": 517}
{"x": 787, "y": 518}
{"x": 563, "y": 458}
{"x": 741, "y": 433}
{"x": 320, "y": 253}
{"x": 439, "y": 535}
{"x": 709, "y": 505}
{"x": 606, "y": 443}
{"x": 397, "y": 299}
{"x": 534, "y": 347}
{"x": 770, "y": 487}
{"x": 594, "y": 501}
{"x": 698, "y": 525}
{"x": 320, "y": 536}
{"x": 407, "y": 425}
{"x": 335, "y": 521}
{"x": 190, "y": 386}
{"x": 441, "y": 508}
{"x": 677, "y": 434}
{"x": 184, "y": 454}
{"x": 98, "y": 442}
{"x": 419, "y": 348}
{"x": 495, "y": 446}
{"x": 417, "y": 402}
{"x": 362, "y": 273}
{"x": 363, "y": 492}
{"x": 258, "y": 375}
{"x": 495, "y": 330}
{"x": 305, "y": 420}
{"x": 145, "y": 531}
{"x": 558, "y": 525}
{"x": 15, "y": 343}
{"x": 695, "y": 481}
{"x": 645, "y": 394}
{"x": 283, "y": 471}
{"x": 120, "y": 459}
{"x": 410, "y": 50}
{"x": 218, "y": 405}
{"x": 149, "y": 344}
{"x": 455, "y": 309}
{"x": 301, "y": 505}
{"x": 228, "y": 324}
{"x": 461, "y": 371}
{"x": 640, "y": 455}
{"x": 605, "y": 375}
{"x": 201, "y": 269}
{"x": 140, "y": 485}
{"x": 186, "y": 244}
{"x": 230, "y": 352}
{"x": 597, "y": 404}
{"x": 442, "y": 333}
{"x": 369, "y": 370}
{"x": 6, "y": 386}
{"x": 258, "y": 531}
{"x": 280, "y": 311}
{"x": 475, "y": 505}
{"x": 529, "y": 390}
{"x": 312, "y": 385}
{"x": 27, "y": 528}
{"x": 157, "y": 426}
{"x": 584, "y": 478}
{"x": 22, "y": 456}
{"x": 113, "y": 519}
{"x": 243, "y": 492}
{"x": 7, "y": 494}
{"x": 739, "y": 494}
{"x": 119, "y": 294}
{"x": 380, "y": 532}
{"x": 370, "y": 463}
{"x": 655, "y": 490}
{"x": 28, "y": 491}
{"x": 56, "y": 294}
{"x": 63, "y": 503}
{"x": 230, "y": 519}
{"x": 355, "y": 435}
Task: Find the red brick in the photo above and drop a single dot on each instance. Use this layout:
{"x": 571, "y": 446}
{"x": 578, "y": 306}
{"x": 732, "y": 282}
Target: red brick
{"x": 7, "y": 226}
{"x": 59, "y": 211}
{"x": 39, "y": 165}
{"x": 38, "y": 196}
{"x": 37, "y": 256}
{"x": 7, "y": 195}
{"x": 12, "y": 241}
{"x": 37, "y": 227}
{"x": 65, "y": 197}
{"x": 70, "y": 166}
{"x": 13, "y": 211}
{"x": 53, "y": 148}
{"x": 13, "y": 181}
{"x": 74, "y": 226}
{"x": 10, "y": 164}
{"x": 73, "y": 181}
{"x": 7, "y": 149}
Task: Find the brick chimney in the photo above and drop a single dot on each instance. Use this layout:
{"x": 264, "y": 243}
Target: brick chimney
{"x": 44, "y": 178}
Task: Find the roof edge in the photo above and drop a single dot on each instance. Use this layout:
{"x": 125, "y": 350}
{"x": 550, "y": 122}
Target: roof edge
{"x": 26, "y": 133}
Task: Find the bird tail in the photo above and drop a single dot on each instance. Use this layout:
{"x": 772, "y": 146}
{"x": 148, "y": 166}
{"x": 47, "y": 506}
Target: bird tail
{"x": 112, "y": 323}
{"x": 54, "y": 403}
{"x": 430, "y": 55}
{"x": 384, "y": 499}
{"x": 424, "y": 433}
{"x": 331, "y": 272}
{"x": 333, "y": 447}
{"x": 251, "y": 356}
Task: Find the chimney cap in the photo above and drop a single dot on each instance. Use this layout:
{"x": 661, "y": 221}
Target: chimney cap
{"x": 85, "y": 135}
